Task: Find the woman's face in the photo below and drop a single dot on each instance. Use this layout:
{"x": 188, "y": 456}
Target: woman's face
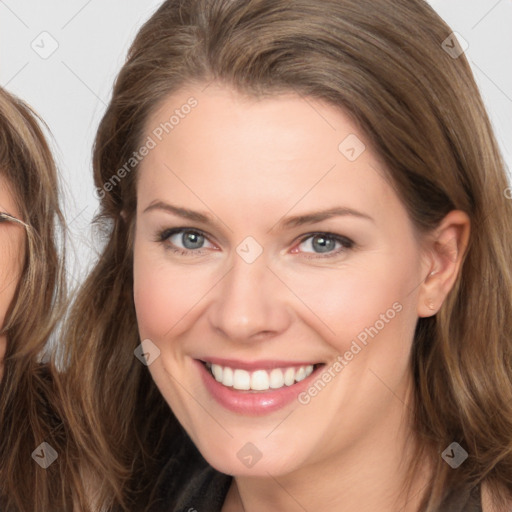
{"x": 11, "y": 257}
{"x": 269, "y": 244}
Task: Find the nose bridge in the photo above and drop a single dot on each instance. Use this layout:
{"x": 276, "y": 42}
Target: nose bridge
{"x": 248, "y": 302}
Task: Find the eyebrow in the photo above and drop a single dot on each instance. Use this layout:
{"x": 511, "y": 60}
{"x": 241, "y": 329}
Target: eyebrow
{"x": 180, "y": 212}
{"x": 319, "y": 216}
{"x": 290, "y": 222}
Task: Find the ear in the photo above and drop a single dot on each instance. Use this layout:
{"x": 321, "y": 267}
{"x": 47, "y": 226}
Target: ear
{"x": 444, "y": 251}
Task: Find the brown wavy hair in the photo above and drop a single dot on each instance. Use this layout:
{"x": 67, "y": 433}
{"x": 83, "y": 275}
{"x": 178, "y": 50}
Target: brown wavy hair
{"x": 383, "y": 63}
{"x": 29, "y": 403}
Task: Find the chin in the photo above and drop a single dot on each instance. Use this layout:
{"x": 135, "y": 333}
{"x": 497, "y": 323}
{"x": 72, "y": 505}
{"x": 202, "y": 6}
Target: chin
{"x": 254, "y": 459}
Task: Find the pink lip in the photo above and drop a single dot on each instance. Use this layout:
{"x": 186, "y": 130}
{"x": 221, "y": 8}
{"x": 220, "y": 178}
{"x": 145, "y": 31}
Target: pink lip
{"x": 253, "y": 403}
{"x": 251, "y": 366}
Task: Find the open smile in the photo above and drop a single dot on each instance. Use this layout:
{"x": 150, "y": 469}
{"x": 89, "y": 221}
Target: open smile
{"x": 255, "y": 388}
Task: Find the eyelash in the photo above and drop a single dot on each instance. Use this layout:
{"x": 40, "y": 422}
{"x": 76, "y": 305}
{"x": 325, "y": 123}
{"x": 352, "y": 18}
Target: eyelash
{"x": 163, "y": 238}
{"x": 346, "y": 243}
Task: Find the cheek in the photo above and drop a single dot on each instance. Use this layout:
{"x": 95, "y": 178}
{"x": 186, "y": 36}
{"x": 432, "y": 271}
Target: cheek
{"x": 165, "y": 294}
{"x": 349, "y": 302}
{"x": 156, "y": 301}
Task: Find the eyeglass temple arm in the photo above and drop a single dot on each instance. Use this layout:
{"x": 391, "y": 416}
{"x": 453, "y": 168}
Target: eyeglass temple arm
{"x": 9, "y": 217}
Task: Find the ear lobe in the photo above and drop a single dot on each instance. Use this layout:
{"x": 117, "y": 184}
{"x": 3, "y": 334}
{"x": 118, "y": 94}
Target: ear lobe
{"x": 446, "y": 248}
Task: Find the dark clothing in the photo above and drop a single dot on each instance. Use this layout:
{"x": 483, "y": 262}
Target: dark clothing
{"x": 468, "y": 500}
{"x": 189, "y": 484}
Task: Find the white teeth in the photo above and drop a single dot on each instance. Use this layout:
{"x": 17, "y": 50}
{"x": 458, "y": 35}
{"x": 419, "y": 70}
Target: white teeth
{"x": 259, "y": 380}
{"x": 217, "y": 372}
{"x": 241, "y": 379}
{"x": 276, "y": 378}
{"x": 289, "y": 376}
{"x": 301, "y": 374}
{"x": 227, "y": 376}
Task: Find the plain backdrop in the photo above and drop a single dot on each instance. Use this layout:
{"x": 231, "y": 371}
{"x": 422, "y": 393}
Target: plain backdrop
{"x": 61, "y": 56}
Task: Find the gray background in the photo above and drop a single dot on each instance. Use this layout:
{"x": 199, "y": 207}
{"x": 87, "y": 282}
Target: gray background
{"x": 71, "y": 87}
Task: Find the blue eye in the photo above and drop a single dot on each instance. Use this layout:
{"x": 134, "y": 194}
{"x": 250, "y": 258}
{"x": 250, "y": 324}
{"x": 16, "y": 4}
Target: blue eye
{"x": 324, "y": 243}
{"x": 190, "y": 242}
{"x": 190, "y": 239}
{"x": 184, "y": 240}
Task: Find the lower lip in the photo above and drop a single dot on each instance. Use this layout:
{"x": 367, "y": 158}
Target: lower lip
{"x": 253, "y": 403}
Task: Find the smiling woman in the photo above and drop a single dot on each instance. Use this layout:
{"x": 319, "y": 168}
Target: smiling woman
{"x": 31, "y": 301}
{"x": 297, "y": 235}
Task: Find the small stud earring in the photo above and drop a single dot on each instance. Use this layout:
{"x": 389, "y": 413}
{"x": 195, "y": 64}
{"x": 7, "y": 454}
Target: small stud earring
{"x": 431, "y": 304}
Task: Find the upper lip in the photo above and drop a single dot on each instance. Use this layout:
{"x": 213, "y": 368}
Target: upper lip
{"x": 266, "y": 364}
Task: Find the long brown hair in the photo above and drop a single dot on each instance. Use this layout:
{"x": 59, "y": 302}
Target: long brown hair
{"x": 28, "y": 398}
{"x": 385, "y": 63}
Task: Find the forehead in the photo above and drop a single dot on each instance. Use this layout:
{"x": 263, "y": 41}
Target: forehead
{"x": 284, "y": 148}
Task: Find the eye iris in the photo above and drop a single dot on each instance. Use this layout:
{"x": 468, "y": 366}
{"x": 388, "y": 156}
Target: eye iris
{"x": 192, "y": 240}
{"x": 323, "y": 244}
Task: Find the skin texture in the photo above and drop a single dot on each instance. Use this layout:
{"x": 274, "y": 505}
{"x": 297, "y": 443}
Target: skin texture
{"x": 11, "y": 249}
{"x": 248, "y": 164}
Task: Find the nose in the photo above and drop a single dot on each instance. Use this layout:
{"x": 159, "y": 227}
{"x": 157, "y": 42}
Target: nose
{"x": 249, "y": 304}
